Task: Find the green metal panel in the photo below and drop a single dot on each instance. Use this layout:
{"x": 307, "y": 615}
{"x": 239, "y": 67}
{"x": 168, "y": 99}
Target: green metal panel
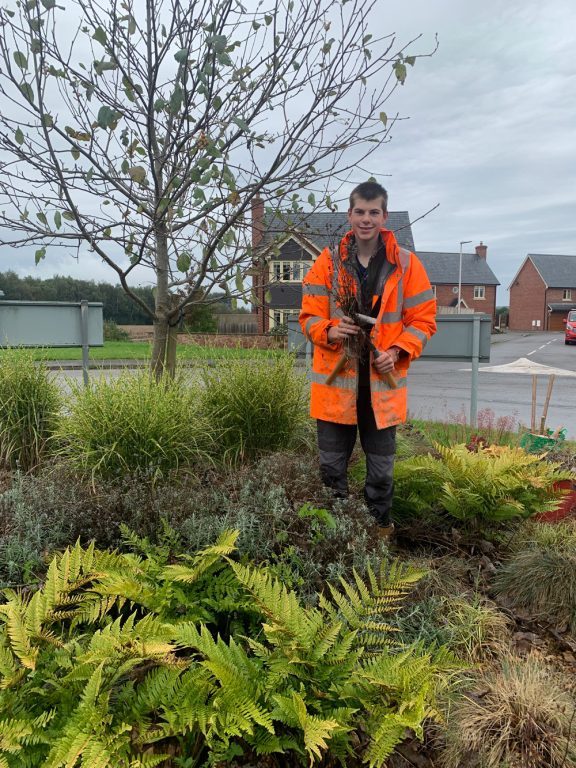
{"x": 49, "y": 324}
{"x": 454, "y": 338}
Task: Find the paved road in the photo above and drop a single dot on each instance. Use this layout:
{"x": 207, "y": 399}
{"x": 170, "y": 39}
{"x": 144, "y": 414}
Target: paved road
{"x": 441, "y": 390}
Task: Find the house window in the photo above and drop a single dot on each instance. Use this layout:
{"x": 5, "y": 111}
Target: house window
{"x": 279, "y": 317}
{"x": 567, "y": 294}
{"x": 289, "y": 271}
{"x": 479, "y": 291}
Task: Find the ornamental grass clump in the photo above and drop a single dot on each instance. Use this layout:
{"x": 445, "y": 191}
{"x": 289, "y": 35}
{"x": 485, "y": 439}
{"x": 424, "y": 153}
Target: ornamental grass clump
{"x": 518, "y": 716}
{"x": 541, "y": 575}
{"x": 135, "y": 424}
{"x": 256, "y": 408}
{"x": 29, "y": 410}
{"x": 490, "y": 485}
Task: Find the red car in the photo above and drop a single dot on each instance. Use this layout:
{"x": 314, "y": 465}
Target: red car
{"x": 570, "y": 333}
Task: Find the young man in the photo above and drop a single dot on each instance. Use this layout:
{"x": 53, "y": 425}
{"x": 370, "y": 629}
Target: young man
{"x": 391, "y": 286}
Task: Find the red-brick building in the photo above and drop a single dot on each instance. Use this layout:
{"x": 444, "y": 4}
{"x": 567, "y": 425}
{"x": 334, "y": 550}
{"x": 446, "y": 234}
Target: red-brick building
{"x": 542, "y": 293}
{"x": 478, "y": 285}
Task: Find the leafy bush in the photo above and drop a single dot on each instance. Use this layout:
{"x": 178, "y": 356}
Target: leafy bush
{"x": 205, "y": 658}
{"x": 518, "y": 715}
{"x": 29, "y": 410}
{"x": 541, "y": 575}
{"x": 135, "y": 424}
{"x": 255, "y": 409}
{"x": 489, "y": 485}
{"x": 113, "y": 332}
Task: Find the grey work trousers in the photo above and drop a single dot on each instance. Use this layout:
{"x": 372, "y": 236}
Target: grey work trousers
{"x": 336, "y": 443}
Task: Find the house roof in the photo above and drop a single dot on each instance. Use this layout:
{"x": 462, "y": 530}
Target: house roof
{"x": 322, "y": 229}
{"x": 556, "y": 271}
{"x": 443, "y": 268}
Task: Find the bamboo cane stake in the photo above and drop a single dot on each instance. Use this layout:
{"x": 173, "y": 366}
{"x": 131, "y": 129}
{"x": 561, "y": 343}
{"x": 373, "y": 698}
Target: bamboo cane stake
{"x": 546, "y": 403}
{"x": 533, "y": 417}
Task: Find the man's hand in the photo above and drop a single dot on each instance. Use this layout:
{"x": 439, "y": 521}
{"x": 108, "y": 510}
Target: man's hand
{"x": 342, "y": 331}
{"x": 386, "y": 360}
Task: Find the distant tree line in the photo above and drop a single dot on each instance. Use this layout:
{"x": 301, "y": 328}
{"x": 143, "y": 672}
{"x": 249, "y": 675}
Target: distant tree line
{"x": 118, "y": 307}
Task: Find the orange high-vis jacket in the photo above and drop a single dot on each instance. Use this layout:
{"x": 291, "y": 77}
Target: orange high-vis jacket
{"x": 406, "y": 319}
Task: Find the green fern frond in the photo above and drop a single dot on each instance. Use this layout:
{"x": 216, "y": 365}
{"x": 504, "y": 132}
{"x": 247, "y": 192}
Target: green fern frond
{"x": 204, "y": 559}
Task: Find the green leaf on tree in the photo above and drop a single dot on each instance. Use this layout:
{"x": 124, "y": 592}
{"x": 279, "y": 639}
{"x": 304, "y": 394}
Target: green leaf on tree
{"x": 47, "y": 121}
{"x": 57, "y": 219}
{"x": 104, "y": 66}
{"x": 241, "y": 123}
{"x": 39, "y": 255}
{"x": 75, "y": 153}
{"x": 19, "y": 136}
{"x": 239, "y": 281}
{"x": 218, "y": 42}
{"x": 107, "y": 118}
{"x": 181, "y": 56}
{"x": 268, "y": 297}
{"x": 42, "y": 218}
{"x": 384, "y": 117}
{"x": 132, "y": 25}
{"x": 27, "y": 91}
{"x": 160, "y": 104}
{"x": 49, "y": 4}
{"x": 100, "y": 36}
{"x": 268, "y": 19}
{"x": 176, "y": 100}
{"x": 183, "y": 261}
{"x": 256, "y": 26}
{"x": 410, "y": 60}
{"x": 366, "y": 39}
{"x": 400, "y": 71}
{"x": 68, "y": 215}
{"x": 312, "y": 199}
{"x": 35, "y": 45}
{"x": 21, "y": 60}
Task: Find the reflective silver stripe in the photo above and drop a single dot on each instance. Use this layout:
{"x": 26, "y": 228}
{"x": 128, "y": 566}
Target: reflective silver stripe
{"x": 391, "y": 317}
{"x": 404, "y": 258}
{"x": 379, "y": 385}
{"x": 418, "y": 333}
{"x": 314, "y": 290}
{"x": 309, "y": 322}
{"x": 335, "y": 273}
{"x": 418, "y": 298}
{"x": 339, "y": 382}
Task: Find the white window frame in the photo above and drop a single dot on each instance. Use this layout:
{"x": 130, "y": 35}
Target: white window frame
{"x": 479, "y": 292}
{"x": 280, "y": 316}
{"x": 567, "y": 294}
{"x": 288, "y": 271}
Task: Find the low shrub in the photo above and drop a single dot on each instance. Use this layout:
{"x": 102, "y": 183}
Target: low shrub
{"x": 29, "y": 410}
{"x": 135, "y": 423}
{"x": 477, "y": 488}
{"x": 113, "y": 332}
{"x": 518, "y": 715}
{"x": 541, "y": 574}
{"x": 205, "y": 661}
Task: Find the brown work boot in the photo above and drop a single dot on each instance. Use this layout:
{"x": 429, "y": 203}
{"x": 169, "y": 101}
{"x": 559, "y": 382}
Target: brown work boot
{"x": 385, "y": 533}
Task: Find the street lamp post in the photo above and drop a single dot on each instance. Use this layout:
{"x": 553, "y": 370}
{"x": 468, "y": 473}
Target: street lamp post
{"x": 462, "y": 242}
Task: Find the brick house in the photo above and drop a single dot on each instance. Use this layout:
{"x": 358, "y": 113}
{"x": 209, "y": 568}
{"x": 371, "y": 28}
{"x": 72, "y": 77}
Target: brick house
{"x": 542, "y": 293}
{"x": 288, "y": 244}
{"x": 479, "y": 283}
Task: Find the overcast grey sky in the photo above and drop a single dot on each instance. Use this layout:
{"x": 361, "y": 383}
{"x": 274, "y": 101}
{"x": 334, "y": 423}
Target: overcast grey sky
{"x": 491, "y": 134}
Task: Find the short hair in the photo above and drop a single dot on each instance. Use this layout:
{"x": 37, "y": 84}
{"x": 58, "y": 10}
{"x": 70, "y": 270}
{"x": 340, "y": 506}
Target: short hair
{"x": 369, "y": 190}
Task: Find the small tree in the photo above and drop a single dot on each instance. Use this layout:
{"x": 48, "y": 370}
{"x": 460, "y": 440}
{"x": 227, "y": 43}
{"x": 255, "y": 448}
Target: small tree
{"x": 146, "y": 131}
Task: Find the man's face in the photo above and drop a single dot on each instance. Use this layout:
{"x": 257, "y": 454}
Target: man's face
{"x": 366, "y": 218}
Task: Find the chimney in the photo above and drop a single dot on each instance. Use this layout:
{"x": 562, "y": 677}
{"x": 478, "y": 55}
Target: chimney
{"x": 257, "y": 221}
{"x": 481, "y": 250}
